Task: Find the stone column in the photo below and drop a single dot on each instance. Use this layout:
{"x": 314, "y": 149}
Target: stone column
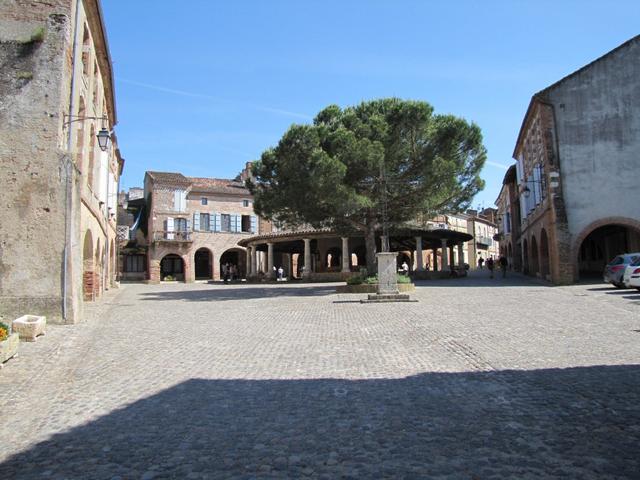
{"x": 307, "y": 258}
{"x": 254, "y": 260}
{"x": 445, "y": 255}
{"x": 346, "y": 258}
{"x": 420, "y": 264}
{"x": 460, "y": 256}
{"x": 248, "y": 262}
{"x": 270, "y": 260}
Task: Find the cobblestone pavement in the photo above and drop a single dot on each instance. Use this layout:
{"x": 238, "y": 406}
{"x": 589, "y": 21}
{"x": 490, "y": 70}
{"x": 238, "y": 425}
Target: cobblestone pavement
{"x": 480, "y": 379}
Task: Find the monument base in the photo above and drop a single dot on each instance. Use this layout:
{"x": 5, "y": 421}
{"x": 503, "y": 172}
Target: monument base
{"x": 387, "y": 281}
{"x": 387, "y": 298}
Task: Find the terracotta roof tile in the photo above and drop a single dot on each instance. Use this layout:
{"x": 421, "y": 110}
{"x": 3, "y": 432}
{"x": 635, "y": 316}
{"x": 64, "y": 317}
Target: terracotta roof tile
{"x": 218, "y": 185}
{"x": 170, "y": 178}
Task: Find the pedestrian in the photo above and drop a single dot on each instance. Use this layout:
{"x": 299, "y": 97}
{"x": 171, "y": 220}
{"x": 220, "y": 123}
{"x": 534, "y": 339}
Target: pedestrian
{"x": 232, "y": 272}
{"x": 480, "y": 262}
{"x": 280, "y": 272}
{"x": 490, "y": 266}
{"x": 504, "y": 263}
{"x": 405, "y": 268}
{"x": 225, "y": 273}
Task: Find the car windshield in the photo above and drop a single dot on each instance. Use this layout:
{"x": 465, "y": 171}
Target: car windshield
{"x": 617, "y": 261}
{"x": 635, "y": 261}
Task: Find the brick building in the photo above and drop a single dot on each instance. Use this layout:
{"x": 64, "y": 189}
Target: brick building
{"x": 58, "y": 201}
{"x": 191, "y": 228}
{"x": 577, "y": 164}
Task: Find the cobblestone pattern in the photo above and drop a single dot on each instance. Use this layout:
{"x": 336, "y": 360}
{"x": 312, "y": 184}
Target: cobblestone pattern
{"x": 480, "y": 379}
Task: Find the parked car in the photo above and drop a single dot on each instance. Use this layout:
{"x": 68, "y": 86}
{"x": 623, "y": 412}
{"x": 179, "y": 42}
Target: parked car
{"x": 631, "y": 277}
{"x": 614, "y": 270}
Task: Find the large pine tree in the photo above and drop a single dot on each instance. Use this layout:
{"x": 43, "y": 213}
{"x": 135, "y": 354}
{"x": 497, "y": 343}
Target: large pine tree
{"x": 353, "y": 164}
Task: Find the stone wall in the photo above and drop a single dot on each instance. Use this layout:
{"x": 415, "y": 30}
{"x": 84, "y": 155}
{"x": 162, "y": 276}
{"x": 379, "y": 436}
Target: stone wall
{"x": 598, "y": 129}
{"x": 34, "y": 71}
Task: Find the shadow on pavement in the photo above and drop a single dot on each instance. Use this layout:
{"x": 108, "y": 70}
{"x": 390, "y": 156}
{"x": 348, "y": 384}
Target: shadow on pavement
{"x": 569, "y": 423}
{"x": 239, "y": 293}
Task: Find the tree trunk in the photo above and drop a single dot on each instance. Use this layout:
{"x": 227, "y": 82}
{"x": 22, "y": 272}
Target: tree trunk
{"x": 370, "y": 245}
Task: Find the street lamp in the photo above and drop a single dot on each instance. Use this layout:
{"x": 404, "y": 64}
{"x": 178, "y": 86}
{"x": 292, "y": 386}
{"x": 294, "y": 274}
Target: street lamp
{"x": 103, "y": 139}
{"x": 103, "y": 135}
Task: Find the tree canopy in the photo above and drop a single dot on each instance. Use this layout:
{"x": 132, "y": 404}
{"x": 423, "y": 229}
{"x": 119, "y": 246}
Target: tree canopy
{"x": 344, "y": 169}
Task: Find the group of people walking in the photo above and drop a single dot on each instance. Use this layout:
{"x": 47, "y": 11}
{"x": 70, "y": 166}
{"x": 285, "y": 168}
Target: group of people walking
{"x": 229, "y": 272}
{"x": 502, "y": 262}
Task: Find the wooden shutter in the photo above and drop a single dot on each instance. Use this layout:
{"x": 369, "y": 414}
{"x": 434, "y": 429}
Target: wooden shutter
{"x": 254, "y": 224}
{"x": 169, "y": 228}
{"x": 176, "y": 200}
{"x": 216, "y": 222}
{"x": 196, "y": 221}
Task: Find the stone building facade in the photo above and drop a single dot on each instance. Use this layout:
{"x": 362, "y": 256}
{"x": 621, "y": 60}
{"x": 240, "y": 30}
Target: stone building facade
{"x": 577, "y": 162}
{"x": 194, "y": 226}
{"x": 58, "y": 201}
{"x": 482, "y": 227}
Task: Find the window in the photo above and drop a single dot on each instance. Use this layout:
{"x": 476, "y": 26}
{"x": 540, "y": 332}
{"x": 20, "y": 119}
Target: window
{"x": 246, "y": 223}
{"x": 180, "y": 224}
{"x": 205, "y": 222}
{"x": 245, "y": 203}
{"x": 225, "y": 222}
{"x": 204, "y": 201}
{"x": 135, "y": 263}
{"x": 180, "y": 200}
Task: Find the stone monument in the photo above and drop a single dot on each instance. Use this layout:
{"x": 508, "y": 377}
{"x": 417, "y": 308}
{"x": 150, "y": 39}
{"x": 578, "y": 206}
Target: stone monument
{"x": 387, "y": 281}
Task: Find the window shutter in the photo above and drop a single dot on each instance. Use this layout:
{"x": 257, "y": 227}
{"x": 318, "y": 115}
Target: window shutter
{"x": 216, "y": 223}
{"x": 176, "y": 200}
{"x": 254, "y": 224}
{"x": 238, "y": 223}
{"x": 188, "y": 225}
{"x": 183, "y": 201}
{"x": 196, "y": 221}
{"x": 169, "y": 228}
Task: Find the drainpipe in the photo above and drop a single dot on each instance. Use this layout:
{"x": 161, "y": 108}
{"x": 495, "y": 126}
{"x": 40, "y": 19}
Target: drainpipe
{"x": 68, "y": 168}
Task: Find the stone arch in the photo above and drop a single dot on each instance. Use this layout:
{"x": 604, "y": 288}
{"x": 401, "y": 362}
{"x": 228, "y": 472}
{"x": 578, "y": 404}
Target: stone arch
{"x": 601, "y": 241}
{"x": 401, "y": 258}
{"x": 88, "y": 267}
{"x": 86, "y": 42}
{"x": 525, "y": 256}
{"x": 112, "y": 261}
{"x": 172, "y": 267}
{"x": 360, "y": 253}
{"x": 534, "y": 262}
{"x": 333, "y": 258}
{"x": 235, "y": 257}
{"x": 100, "y": 267}
{"x": 203, "y": 264}
{"x": 91, "y": 172}
{"x": 545, "y": 270}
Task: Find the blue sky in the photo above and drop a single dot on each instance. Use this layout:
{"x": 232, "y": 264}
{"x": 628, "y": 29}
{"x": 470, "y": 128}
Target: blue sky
{"x": 204, "y": 86}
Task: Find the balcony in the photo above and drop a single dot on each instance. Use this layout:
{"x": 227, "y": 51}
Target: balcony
{"x": 487, "y": 241}
{"x": 181, "y": 236}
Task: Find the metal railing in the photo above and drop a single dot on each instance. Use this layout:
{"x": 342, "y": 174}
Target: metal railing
{"x": 488, "y": 241}
{"x": 172, "y": 236}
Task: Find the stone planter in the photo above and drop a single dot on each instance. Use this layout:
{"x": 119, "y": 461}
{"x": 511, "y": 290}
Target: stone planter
{"x": 29, "y": 327}
{"x": 9, "y": 348}
{"x": 372, "y": 288}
